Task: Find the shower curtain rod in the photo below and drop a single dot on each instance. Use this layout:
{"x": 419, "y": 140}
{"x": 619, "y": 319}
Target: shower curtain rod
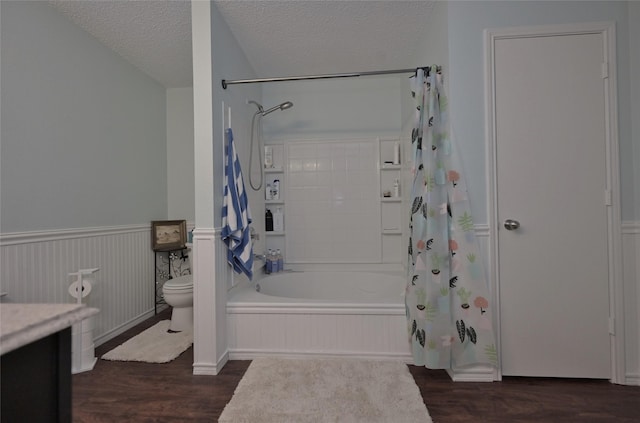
{"x": 226, "y": 83}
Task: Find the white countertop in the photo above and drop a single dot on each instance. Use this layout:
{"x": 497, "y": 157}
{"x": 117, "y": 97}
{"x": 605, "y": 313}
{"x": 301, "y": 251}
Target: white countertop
{"x": 21, "y": 324}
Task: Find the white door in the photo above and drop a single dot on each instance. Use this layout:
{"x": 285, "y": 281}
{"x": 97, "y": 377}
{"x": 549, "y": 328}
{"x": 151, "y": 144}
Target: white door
{"x": 551, "y": 179}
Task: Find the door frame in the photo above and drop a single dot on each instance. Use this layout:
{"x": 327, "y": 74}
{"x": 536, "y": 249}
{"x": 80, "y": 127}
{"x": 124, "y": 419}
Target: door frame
{"x": 611, "y": 196}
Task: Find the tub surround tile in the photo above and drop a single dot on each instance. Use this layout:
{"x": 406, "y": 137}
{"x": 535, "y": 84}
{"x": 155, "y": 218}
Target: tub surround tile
{"x": 21, "y": 324}
{"x": 321, "y": 205}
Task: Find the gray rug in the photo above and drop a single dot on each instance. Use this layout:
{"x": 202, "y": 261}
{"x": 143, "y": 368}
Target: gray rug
{"x": 326, "y": 390}
{"x": 154, "y": 345}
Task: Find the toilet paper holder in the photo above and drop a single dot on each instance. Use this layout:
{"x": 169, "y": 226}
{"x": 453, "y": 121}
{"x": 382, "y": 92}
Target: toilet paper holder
{"x": 82, "y": 286}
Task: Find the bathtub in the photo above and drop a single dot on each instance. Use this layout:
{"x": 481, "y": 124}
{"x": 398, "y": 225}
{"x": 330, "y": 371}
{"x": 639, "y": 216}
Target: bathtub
{"x": 320, "y": 313}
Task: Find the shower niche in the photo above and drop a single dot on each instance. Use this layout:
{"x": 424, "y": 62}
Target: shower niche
{"x": 274, "y": 193}
{"x": 391, "y": 195}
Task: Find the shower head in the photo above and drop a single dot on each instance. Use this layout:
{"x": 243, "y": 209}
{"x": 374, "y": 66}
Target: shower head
{"x": 284, "y": 106}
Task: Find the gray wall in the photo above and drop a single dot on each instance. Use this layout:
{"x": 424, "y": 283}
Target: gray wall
{"x": 229, "y": 62}
{"x": 467, "y": 20}
{"x": 335, "y": 108}
{"x": 83, "y": 132}
{"x": 435, "y": 51}
{"x": 634, "y": 73}
{"x": 180, "y": 170}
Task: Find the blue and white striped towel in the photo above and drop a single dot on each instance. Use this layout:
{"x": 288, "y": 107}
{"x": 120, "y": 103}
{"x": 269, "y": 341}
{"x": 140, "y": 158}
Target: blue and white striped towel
{"x": 236, "y": 216}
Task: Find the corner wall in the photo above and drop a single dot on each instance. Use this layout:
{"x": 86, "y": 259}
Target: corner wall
{"x": 83, "y": 131}
{"x": 83, "y": 167}
{"x": 180, "y": 172}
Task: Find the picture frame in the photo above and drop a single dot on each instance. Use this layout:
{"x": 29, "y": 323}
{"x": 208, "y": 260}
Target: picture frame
{"x": 168, "y": 235}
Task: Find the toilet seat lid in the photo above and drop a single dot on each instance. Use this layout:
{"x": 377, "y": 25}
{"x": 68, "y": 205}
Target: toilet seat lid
{"x": 179, "y": 282}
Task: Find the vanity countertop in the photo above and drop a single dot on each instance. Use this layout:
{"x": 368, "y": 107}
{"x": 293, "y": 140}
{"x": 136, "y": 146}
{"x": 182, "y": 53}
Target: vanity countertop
{"x": 21, "y": 324}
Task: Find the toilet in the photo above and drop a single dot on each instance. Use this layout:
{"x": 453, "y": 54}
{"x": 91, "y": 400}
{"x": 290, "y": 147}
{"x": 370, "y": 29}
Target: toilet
{"x": 178, "y": 293}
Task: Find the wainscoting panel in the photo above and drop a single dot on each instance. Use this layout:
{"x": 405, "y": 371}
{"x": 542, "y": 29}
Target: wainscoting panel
{"x": 35, "y": 267}
{"x": 631, "y": 275}
{"x": 210, "y": 282}
{"x": 260, "y": 333}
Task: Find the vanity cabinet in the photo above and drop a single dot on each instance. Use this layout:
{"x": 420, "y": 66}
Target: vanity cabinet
{"x": 35, "y": 342}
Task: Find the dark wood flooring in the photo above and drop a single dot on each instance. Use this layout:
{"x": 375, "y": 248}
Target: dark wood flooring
{"x": 143, "y": 392}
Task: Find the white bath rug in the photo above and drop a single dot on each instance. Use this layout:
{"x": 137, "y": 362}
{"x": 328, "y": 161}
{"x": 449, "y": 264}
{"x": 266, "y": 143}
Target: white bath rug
{"x": 326, "y": 390}
{"x": 154, "y": 345}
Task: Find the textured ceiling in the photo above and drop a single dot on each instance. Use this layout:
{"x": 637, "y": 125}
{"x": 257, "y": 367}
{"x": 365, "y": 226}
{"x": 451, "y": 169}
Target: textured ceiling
{"x": 279, "y": 38}
{"x": 154, "y": 35}
{"x": 283, "y": 38}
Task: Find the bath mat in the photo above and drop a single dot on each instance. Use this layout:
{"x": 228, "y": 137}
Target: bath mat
{"x": 326, "y": 390}
{"x": 154, "y": 345}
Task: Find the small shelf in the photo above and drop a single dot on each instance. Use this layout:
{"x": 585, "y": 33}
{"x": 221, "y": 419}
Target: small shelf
{"x": 273, "y": 233}
{"x": 391, "y": 232}
{"x": 273, "y": 170}
{"x": 273, "y": 201}
{"x": 390, "y": 167}
{"x": 391, "y": 210}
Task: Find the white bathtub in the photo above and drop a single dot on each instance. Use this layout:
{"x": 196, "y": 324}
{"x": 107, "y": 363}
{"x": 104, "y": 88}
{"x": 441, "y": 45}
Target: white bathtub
{"x": 354, "y": 287}
{"x": 355, "y": 314}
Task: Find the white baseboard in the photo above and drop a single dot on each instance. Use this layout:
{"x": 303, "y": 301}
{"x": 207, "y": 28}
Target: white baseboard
{"x": 632, "y": 379}
{"x": 249, "y": 354}
{"x": 473, "y": 374}
{"x": 208, "y": 369}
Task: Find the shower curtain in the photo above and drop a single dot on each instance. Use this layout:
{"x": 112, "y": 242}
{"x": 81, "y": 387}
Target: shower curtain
{"x": 449, "y": 310}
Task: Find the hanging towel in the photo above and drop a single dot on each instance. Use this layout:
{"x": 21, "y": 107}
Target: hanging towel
{"x": 236, "y": 216}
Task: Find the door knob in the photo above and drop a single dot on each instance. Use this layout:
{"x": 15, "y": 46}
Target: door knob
{"x": 511, "y": 225}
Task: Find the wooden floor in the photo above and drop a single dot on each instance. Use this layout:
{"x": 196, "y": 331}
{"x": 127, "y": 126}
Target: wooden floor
{"x": 143, "y": 392}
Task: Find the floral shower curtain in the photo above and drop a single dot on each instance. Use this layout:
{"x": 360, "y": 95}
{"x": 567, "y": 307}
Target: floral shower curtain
{"x": 449, "y": 312}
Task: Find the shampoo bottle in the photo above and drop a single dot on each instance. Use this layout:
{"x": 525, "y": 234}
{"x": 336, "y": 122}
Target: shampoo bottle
{"x": 268, "y": 221}
{"x": 280, "y": 261}
{"x": 268, "y": 265}
{"x": 396, "y": 188}
{"x": 268, "y": 156}
{"x": 275, "y": 189}
{"x": 267, "y": 192}
{"x": 278, "y": 220}
{"x": 396, "y": 153}
{"x": 274, "y": 262}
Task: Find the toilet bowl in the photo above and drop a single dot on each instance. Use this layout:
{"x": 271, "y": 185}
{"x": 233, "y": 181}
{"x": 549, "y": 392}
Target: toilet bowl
{"x": 178, "y": 293}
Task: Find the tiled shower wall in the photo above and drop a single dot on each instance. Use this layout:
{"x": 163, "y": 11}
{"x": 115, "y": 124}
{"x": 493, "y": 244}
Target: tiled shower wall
{"x": 332, "y": 202}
